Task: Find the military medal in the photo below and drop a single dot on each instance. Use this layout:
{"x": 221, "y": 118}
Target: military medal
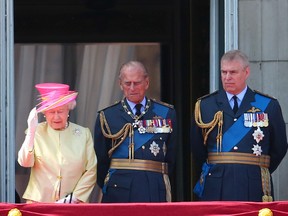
{"x": 142, "y": 130}
{"x": 136, "y": 123}
{"x": 155, "y": 125}
{"x": 255, "y": 118}
{"x": 258, "y": 135}
{"x": 260, "y": 120}
{"x": 257, "y": 150}
{"x": 248, "y": 119}
{"x": 265, "y": 120}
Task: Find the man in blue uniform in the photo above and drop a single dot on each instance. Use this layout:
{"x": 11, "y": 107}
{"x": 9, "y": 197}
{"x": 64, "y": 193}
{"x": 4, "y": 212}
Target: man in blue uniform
{"x": 135, "y": 143}
{"x": 239, "y": 136}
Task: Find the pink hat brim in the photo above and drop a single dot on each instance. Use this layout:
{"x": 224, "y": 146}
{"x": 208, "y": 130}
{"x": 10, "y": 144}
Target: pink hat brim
{"x": 60, "y": 102}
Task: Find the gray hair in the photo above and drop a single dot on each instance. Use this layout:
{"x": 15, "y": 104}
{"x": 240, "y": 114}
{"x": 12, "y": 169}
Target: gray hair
{"x": 133, "y": 64}
{"x": 236, "y": 55}
{"x": 71, "y": 105}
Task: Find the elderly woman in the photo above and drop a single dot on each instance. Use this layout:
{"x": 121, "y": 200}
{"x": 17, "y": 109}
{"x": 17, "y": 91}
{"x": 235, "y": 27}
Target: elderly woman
{"x": 60, "y": 153}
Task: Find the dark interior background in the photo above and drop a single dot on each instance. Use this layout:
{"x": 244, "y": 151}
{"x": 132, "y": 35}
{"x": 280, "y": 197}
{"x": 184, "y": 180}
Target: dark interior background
{"x": 180, "y": 26}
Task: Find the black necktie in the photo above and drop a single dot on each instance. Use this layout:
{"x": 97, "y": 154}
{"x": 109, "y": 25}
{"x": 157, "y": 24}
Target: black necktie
{"x": 138, "y": 109}
{"x": 235, "y": 108}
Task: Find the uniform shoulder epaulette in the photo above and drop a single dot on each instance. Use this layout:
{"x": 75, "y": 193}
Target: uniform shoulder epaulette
{"x": 266, "y": 95}
{"x": 207, "y": 95}
{"x": 163, "y": 103}
{"x": 116, "y": 102}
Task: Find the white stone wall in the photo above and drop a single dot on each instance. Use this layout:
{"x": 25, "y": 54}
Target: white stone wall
{"x": 263, "y": 36}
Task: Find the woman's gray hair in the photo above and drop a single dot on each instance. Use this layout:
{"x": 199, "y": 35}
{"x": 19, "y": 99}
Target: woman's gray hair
{"x": 71, "y": 105}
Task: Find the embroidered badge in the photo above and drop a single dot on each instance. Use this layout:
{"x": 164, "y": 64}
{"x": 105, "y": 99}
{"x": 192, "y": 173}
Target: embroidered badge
{"x": 154, "y": 148}
{"x": 257, "y": 150}
{"x": 254, "y": 109}
{"x": 258, "y": 135}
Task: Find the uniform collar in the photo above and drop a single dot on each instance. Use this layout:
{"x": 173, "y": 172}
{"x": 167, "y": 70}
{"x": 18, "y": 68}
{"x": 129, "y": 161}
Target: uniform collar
{"x": 132, "y": 104}
{"x": 240, "y": 96}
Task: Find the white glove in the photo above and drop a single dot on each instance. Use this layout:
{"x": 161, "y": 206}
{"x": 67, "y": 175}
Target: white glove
{"x": 70, "y": 198}
{"x": 32, "y": 122}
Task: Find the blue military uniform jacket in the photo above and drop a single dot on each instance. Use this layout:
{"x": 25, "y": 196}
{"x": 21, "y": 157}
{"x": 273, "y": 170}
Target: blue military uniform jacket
{"x": 123, "y": 185}
{"x": 238, "y": 181}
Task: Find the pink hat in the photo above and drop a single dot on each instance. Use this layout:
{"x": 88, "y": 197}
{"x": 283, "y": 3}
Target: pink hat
{"x": 54, "y": 95}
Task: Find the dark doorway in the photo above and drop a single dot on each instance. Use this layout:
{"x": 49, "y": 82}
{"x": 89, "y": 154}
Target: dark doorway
{"x": 181, "y": 27}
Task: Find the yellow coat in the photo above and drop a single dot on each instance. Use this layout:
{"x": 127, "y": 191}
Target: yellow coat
{"x": 61, "y": 162}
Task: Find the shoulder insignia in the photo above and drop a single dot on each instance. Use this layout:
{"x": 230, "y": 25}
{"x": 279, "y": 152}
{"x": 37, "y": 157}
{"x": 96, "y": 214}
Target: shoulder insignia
{"x": 266, "y": 95}
{"x": 116, "y": 102}
{"x": 207, "y": 95}
{"x": 163, "y": 103}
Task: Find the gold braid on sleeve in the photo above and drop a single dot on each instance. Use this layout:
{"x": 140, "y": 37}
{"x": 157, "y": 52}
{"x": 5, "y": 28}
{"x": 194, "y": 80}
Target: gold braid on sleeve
{"x": 119, "y": 137}
{"x": 208, "y": 127}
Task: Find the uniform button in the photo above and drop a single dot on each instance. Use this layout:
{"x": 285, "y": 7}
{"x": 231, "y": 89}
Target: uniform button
{"x": 209, "y": 174}
{"x": 143, "y": 147}
{"x": 115, "y": 185}
{"x": 235, "y": 119}
{"x": 235, "y": 148}
{"x": 160, "y": 138}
